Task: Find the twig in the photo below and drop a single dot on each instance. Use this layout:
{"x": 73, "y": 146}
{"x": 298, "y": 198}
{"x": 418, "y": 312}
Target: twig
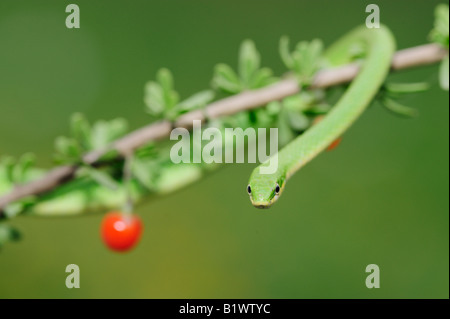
{"x": 408, "y": 58}
{"x": 127, "y": 175}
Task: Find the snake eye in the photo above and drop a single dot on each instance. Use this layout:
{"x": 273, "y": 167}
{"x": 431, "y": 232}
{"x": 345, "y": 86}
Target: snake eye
{"x": 277, "y": 189}
{"x": 249, "y": 189}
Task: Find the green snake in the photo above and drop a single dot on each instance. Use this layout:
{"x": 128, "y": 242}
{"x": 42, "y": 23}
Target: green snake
{"x": 379, "y": 46}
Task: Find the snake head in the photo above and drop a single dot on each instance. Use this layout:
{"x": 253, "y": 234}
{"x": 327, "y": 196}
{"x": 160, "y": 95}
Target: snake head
{"x": 264, "y": 190}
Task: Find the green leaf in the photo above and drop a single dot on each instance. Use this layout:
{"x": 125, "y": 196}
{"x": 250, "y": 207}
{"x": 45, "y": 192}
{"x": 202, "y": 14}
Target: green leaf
{"x": 165, "y": 79}
{"x": 81, "y": 130}
{"x": 306, "y": 59}
{"x": 314, "y": 50}
{"x": 9, "y": 164}
{"x": 170, "y": 96}
{"x": 249, "y": 61}
{"x": 100, "y": 177}
{"x": 226, "y": 79}
{"x": 440, "y": 32}
{"x": 14, "y": 209}
{"x": 295, "y": 102}
{"x": 263, "y": 118}
{"x": 297, "y": 120}
{"x": 145, "y": 172}
{"x": 8, "y": 234}
{"x": 399, "y": 109}
{"x": 404, "y": 88}
{"x": 262, "y": 78}
{"x": 285, "y": 52}
{"x": 16, "y": 171}
{"x": 154, "y": 99}
{"x": 311, "y": 56}
{"x": 117, "y": 128}
{"x": 68, "y": 149}
{"x": 243, "y": 119}
{"x": 443, "y": 74}
{"x": 285, "y": 134}
{"x": 109, "y": 155}
{"x": 148, "y": 150}
{"x": 160, "y": 96}
{"x": 300, "y": 57}
{"x": 196, "y": 101}
{"x": 250, "y": 75}
{"x": 100, "y": 135}
{"x": 274, "y": 107}
{"x": 320, "y": 108}
{"x": 18, "y": 207}
{"x": 25, "y": 162}
{"x": 87, "y": 138}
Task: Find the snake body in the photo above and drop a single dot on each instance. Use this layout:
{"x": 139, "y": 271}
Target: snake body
{"x": 379, "y": 47}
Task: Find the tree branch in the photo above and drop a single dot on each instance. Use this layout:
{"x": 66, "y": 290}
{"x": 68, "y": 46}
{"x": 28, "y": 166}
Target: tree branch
{"x": 408, "y": 58}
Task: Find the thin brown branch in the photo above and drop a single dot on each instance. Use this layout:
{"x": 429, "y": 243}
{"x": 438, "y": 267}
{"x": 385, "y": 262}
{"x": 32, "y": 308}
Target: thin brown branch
{"x": 408, "y": 58}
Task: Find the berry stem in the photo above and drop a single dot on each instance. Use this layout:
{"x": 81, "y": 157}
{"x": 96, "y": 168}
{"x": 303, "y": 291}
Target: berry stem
{"x": 128, "y": 205}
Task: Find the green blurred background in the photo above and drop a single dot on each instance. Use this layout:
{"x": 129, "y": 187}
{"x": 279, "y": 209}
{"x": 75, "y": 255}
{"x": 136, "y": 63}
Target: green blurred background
{"x": 381, "y": 197}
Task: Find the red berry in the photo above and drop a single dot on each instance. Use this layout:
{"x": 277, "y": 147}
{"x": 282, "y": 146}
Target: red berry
{"x": 121, "y": 232}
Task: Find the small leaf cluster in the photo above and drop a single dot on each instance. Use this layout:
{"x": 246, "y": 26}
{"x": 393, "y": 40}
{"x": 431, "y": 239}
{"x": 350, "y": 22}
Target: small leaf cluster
{"x": 146, "y": 169}
{"x": 250, "y": 74}
{"x": 390, "y": 94}
{"x": 17, "y": 171}
{"x": 294, "y": 114}
{"x": 86, "y": 137}
{"x": 440, "y": 35}
{"x": 163, "y": 102}
{"x": 440, "y": 32}
{"x": 304, "y": 61}
{"x": 8, "y": 234}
